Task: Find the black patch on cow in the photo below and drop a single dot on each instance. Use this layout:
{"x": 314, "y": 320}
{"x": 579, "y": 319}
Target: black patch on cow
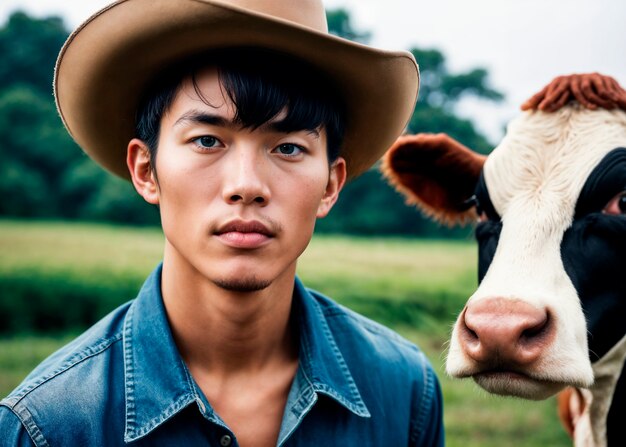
{"x": 483, "y": 201}
{"x": 615, "y": 433}
{"x": 487, "y": 232}
{"x": 606, "y": 181}
{"x": 487, "y": 235}
{"x": 594, "y": 255}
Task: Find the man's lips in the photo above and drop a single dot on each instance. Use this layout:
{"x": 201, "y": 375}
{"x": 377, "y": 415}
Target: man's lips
{"x": 242, "y": 226}
{"x": 244, "y": 234}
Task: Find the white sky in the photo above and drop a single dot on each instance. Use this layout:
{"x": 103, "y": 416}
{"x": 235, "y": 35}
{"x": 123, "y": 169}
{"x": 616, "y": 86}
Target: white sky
{"x": 523, "y": 43}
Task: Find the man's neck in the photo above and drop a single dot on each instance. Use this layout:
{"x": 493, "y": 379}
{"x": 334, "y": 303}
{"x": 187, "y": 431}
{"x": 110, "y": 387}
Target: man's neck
{"x": 238, "y": 346}
{"x": 222, "y": 332}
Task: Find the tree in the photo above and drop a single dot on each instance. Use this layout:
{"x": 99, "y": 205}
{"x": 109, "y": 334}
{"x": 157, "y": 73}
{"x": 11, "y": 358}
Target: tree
{"x": 368, "y": 205}
{"x": 34, "y": 151}
{"x": 440, "y": 91}
{"x": 340, "y": 24}
{"x": 43, "y": 173}
{"x": 29, "y": 48}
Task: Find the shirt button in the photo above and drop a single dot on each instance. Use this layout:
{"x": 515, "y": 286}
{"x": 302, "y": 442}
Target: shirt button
{"x": 226, "y": 440}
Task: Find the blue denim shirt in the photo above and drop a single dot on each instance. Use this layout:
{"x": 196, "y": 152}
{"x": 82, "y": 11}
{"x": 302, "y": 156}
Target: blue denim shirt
{"x": 124, "y": 382}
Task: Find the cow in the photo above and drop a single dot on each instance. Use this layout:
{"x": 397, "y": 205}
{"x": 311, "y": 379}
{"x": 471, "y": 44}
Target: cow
{"x": 550, "y": 204}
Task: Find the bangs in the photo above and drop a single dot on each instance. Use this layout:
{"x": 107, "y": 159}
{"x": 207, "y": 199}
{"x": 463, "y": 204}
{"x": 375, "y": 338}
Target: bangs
{"x": 262, "y": 84}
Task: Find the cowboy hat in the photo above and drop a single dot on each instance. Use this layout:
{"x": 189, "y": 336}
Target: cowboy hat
{"x": 108, "y": 61}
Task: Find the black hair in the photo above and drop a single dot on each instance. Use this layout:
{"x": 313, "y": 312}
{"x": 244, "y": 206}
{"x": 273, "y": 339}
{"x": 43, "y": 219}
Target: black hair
{"x": 261, "y": 84}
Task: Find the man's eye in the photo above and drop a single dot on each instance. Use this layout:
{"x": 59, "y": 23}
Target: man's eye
{"x": 289, "y": 149}
{"x": 617, "y": 205}
{"x": 206, "y": 141}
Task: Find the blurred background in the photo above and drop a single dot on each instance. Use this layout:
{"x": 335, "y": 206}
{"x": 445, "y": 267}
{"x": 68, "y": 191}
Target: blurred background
{"x": 75, "y": 242}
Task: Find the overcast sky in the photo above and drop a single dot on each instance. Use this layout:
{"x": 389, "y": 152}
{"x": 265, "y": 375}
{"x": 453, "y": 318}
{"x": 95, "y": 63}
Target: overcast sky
{"x": 523, "y": 43}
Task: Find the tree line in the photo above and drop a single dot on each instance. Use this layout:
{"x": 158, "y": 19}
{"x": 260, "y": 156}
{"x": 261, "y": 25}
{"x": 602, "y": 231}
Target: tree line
{"x": 43, "y": 174}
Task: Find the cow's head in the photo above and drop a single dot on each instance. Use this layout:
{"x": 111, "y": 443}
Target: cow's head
{"x": 550, "y": 201}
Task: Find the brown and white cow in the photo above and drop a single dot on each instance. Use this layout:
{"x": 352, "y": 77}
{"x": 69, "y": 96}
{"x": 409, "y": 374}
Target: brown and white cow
{"x": 550, "y": 309}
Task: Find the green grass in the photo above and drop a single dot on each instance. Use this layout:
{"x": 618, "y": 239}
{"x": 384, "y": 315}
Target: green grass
{"x": 415, "y": 287}
{"x": 58, "y": 276}
{"x": 78, "y": 250}
{"x": 395, "y": 281}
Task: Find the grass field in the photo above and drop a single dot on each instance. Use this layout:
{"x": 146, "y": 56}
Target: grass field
{"x": 415, "y": 287}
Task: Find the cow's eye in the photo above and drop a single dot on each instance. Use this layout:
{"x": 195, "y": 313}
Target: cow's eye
{"x": 473, "y": 202}
{"x": 617, "y": 205}
{"x": 482, "y": 215}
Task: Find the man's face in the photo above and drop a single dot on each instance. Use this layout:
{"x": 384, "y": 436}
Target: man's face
{"x": 238, "y": 206}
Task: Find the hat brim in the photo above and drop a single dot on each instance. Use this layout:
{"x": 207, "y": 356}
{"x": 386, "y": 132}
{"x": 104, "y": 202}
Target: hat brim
{"x": 106, "y": 64}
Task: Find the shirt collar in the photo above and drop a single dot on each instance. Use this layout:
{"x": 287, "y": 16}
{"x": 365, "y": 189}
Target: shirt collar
{"x": 320, "y": 357}
{"x": 158, "y": 384}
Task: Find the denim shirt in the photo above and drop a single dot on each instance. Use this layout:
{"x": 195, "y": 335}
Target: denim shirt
{"x": 124, "y": 382}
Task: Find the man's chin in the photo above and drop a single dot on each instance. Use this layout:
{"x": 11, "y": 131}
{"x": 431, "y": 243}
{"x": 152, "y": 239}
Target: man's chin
{"x": 243, "y": 285}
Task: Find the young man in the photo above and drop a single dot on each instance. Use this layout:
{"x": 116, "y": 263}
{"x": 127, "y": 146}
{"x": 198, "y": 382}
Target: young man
{"x": 241, "y": 121}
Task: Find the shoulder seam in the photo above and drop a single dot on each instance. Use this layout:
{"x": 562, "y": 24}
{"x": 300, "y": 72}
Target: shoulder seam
{"x": 34, "y": 433}
{"x": 100, "y": 346}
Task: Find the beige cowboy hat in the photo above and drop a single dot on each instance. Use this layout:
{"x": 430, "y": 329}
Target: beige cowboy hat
{"x": 108, "y": 61}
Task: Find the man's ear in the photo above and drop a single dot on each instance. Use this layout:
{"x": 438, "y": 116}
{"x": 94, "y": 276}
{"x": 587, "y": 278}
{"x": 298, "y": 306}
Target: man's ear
{"x": 143, "y": 178}
{"x": 435, "y": 173}
{"x": 336, "y": 180}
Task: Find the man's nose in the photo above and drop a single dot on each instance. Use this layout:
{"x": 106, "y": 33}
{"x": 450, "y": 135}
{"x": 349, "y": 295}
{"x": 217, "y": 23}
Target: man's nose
{"x": 245, "y": 178}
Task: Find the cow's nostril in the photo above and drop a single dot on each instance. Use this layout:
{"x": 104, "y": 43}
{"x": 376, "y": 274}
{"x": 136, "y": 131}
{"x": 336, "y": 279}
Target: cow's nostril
{"x": 467, "y": 334}
{"x": 538, "y": 330}
{"x": 471, "y": 334}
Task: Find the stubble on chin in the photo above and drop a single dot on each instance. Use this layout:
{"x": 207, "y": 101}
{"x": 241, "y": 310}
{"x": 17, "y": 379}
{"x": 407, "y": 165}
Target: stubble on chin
{"x": 250, "y": 284}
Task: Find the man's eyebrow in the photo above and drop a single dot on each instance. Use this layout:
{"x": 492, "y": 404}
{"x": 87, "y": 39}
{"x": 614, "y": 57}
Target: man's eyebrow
{"x": 197, "y": 117}
{"x": 279, "y": 127}
{"x": 314, "y": 132}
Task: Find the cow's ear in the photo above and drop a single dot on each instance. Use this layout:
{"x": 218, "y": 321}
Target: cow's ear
{"x": 435, "y": 173}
